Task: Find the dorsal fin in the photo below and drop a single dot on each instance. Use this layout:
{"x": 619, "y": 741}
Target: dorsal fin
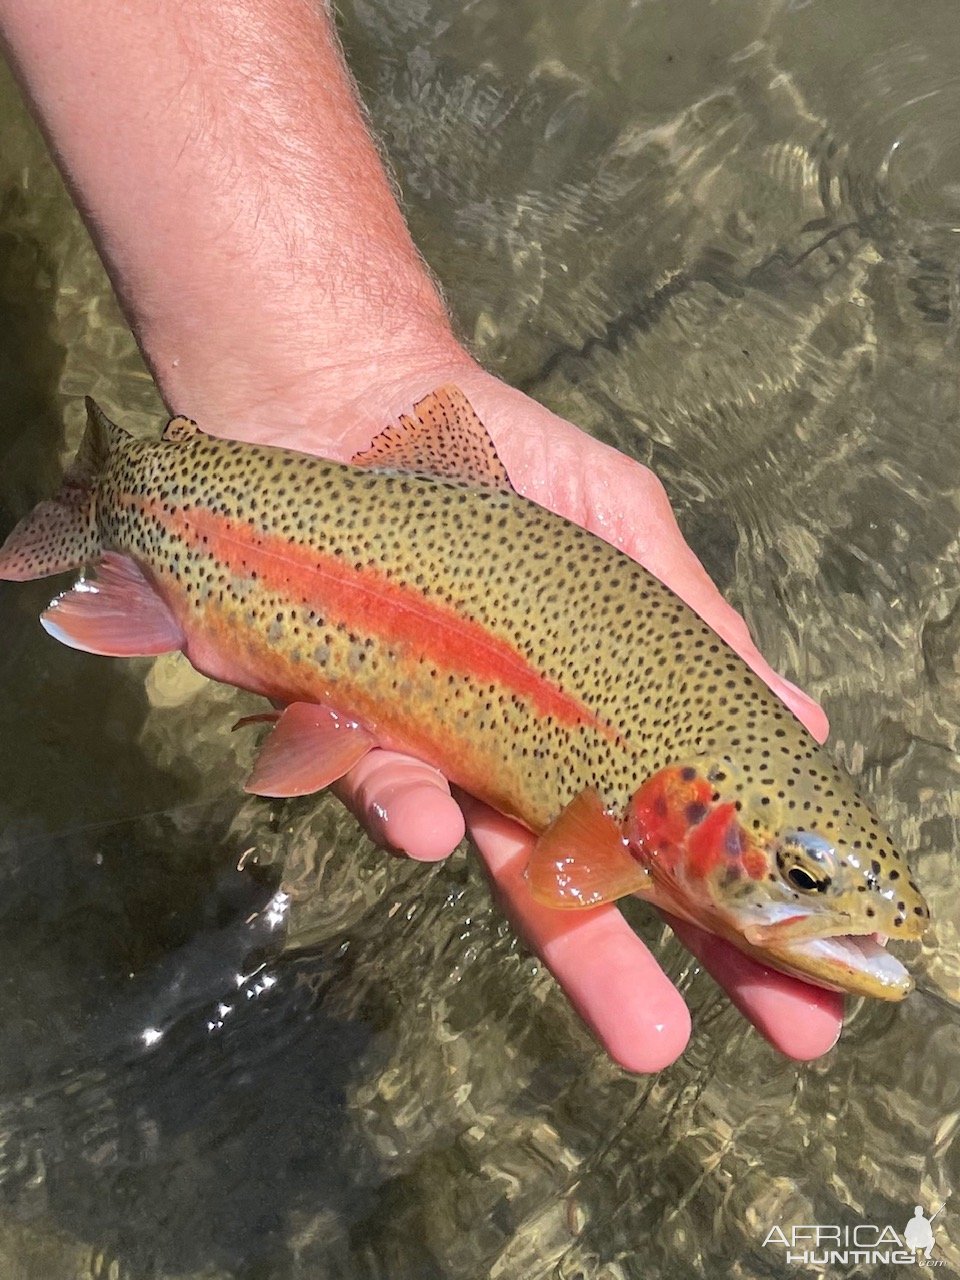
{"x": 179, "y": 429}
{"x": 442, "y": 437}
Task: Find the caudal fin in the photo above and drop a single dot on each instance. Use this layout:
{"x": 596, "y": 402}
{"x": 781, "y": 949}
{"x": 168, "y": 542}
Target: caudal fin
{"x": 62, "y": 533}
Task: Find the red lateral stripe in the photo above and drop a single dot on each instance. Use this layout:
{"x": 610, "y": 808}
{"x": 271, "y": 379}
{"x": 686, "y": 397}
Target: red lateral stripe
{"x": 369, "y": 603}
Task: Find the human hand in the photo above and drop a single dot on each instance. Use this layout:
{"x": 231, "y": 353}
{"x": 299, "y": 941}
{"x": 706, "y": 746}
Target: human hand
{"x": 605, "y": 970}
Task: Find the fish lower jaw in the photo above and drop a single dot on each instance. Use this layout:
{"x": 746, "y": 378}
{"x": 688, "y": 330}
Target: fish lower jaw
{"x": 850, "y": 963}
{"x": 856, "y": 964}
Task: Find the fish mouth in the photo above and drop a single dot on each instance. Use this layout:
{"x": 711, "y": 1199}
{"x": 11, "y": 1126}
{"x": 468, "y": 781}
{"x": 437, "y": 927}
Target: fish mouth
{"x": 822, "y": 951}
{"x": 831, "y": 954}
{"x": 851, "y": 963}
{"x": 854, "y": 963}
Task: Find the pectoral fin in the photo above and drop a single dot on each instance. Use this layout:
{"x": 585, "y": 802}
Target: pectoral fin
{"x": 310, "y": 747}
{"x": 581, "y": 859}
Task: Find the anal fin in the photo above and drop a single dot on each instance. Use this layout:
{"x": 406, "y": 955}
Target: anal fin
{"x": 310, "y": 747}
{"x": 117, "y": 614}
{"x": 581, "y": 860}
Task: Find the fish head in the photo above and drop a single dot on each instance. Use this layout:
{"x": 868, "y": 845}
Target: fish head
{"x": 802, "y": 876}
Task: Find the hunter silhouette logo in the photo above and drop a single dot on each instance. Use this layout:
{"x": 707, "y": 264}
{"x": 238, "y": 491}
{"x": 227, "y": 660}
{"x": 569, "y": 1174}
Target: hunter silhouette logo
{"x": 865, "y": 1242}
{"x": 918, "y": 1233}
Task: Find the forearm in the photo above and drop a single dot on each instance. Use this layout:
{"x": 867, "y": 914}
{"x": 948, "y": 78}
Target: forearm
{"x": 220, "y": 157}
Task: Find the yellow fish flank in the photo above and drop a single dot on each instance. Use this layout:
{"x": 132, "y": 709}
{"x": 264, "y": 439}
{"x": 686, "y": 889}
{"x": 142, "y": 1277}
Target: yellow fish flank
{"x": 414, "y": 600}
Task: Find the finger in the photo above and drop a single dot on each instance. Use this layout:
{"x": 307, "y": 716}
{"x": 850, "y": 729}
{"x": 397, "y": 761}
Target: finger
{"x": 605, "y": 971}
{"x": 404, "y": 804}
{"x": 800, "y": 1020}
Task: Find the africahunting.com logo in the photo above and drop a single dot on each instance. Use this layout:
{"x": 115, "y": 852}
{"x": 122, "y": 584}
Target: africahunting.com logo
{"x": 865, "y": 1242}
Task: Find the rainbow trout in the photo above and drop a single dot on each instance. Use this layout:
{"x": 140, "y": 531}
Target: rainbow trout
{"x": 413, "y": 600}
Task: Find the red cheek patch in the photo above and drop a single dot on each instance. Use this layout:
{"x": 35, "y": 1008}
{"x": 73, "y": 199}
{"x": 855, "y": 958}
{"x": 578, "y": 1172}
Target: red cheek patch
{"x": 673, "y": 820}
{"x": 721, "y": 840}
{"x": 664, "y": 810}
{"x": 715, "y": 840}
{"x": 755, "y": 864}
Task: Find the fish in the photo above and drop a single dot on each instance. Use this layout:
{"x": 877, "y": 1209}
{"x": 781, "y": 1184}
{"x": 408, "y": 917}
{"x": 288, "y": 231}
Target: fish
{"x": 412, "y": 599}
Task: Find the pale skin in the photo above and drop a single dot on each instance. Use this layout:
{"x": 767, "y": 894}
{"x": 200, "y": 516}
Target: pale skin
{"x": 222, "y": 162}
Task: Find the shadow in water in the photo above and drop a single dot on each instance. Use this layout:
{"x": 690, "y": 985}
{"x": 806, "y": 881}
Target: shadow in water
{"x": 192, "y": 1111}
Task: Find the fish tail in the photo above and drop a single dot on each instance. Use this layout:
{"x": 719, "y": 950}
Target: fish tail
{"x": 62, "y": 532}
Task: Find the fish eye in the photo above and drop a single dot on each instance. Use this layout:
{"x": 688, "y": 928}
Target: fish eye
{"x": 800, "y": 878}
{"x": 807, "y": 861}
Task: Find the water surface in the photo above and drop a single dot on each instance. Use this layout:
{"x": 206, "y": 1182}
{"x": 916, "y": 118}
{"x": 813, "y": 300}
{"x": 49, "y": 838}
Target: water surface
{"x": 241, "y": 1043}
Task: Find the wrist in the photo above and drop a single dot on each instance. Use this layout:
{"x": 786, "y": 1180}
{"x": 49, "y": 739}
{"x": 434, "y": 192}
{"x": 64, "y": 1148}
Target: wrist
{"x": 324, "y": 396}
{"x": 261, "y": 383}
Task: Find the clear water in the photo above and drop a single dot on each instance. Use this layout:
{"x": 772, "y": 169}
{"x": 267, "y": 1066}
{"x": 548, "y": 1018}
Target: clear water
{"x": 238, "y": 1041}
